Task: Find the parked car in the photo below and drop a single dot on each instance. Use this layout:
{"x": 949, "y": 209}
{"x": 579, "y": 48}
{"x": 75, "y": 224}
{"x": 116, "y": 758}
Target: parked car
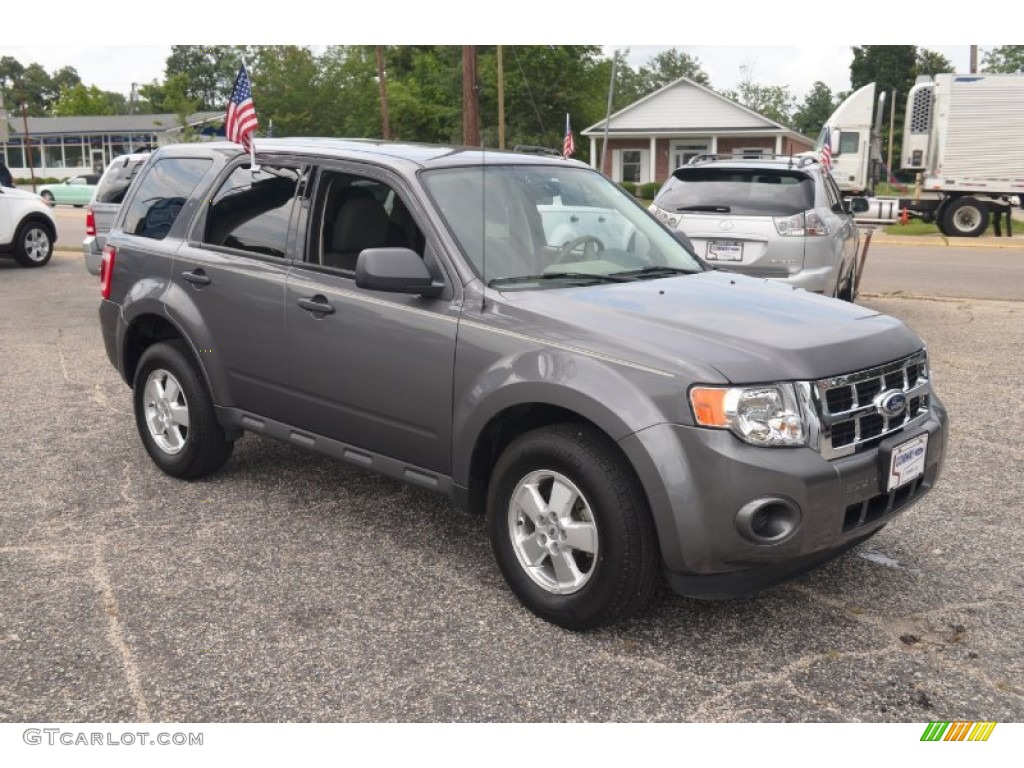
{"x": 27, "y": 227}
{"x": 618, "y": 410}
{"x": 76, "y": 191}
{"x": 110, "y": 191}
{"x": 781, "y": 218}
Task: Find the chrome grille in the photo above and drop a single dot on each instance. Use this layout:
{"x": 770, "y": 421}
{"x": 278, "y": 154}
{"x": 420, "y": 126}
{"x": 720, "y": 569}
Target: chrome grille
{"x": 849, "y": 408}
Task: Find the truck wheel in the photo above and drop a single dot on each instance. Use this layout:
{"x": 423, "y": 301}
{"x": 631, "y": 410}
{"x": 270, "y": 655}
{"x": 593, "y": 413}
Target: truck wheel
{"x": 965, "y": 217}
{"x": 174, "y": 414}
{"x": 33, "y": 245}
{"x": 570, "y": 527}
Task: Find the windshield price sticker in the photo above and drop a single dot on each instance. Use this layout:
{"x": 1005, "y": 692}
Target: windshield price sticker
{"x": 725, "y": 250}
{"x": 907, "y": 461}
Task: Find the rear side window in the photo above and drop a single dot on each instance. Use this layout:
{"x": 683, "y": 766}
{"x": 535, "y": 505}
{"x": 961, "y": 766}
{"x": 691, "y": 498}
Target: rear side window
{"x": 741, "y": 191}
{"x": 251, "y": 212}
{"x": 115, "y": 182}
{"x": 162, "y": 194}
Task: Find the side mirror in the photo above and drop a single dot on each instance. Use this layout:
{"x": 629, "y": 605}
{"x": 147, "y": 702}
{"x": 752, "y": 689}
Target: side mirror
{"x": 395, "y": 270}
{"x": 859, "y": 205}
{"x": 684, "y": 239}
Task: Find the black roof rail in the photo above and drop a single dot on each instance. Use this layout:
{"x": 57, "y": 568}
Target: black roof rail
{"x": 794, "y": 160}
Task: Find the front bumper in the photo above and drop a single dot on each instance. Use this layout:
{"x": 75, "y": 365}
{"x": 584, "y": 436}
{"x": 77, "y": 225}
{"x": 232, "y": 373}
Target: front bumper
{"x": 697, "y": 481}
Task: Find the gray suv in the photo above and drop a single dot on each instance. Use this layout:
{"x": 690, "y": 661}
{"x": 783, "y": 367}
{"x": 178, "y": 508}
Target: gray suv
{"x": 619, "y": 411}
{"x": 781, "y": 218}
{"x": 110, "y": 191}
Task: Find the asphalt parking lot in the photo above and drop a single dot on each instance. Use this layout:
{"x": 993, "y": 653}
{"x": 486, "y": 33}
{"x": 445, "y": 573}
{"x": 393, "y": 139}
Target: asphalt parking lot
{"x": 288, "y": 587}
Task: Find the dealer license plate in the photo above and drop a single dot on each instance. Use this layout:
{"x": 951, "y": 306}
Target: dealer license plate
{"x": 725, "y": 250}
{"x": 907, "y": 462}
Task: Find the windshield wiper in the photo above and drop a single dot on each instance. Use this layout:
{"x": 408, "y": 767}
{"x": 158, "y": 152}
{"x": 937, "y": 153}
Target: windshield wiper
{"x": 706, "y": 208}
{"x": 654, "y": 271}
{"x": 560, "y": 276}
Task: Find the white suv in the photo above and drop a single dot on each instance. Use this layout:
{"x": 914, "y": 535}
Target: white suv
{"x": 27, "y": 227}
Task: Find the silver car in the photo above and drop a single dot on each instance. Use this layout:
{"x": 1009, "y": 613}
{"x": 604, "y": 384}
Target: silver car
{"x": 105, "y": 203}
{"x": 780, "y": 218}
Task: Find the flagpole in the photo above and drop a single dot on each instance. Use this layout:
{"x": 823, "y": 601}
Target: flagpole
{"x": 253, "y": 167}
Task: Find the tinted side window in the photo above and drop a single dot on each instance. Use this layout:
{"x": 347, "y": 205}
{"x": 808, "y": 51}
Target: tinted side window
{"x": 162, "y": 194}
{"x": 849, "y": 141}
{"x": 252, "y": 212}
{"x": 115, "y": 182}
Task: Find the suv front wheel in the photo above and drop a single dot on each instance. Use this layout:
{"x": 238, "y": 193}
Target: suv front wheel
{"x": 33, "y": 245}
{"x": 570, "y": 527}
{"x": 174, "y": 414}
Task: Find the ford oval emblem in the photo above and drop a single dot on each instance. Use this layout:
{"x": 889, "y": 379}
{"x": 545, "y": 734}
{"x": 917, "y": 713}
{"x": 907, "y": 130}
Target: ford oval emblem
{"x": 891, "y": 403}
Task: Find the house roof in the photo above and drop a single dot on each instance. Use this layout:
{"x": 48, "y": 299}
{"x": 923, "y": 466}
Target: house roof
{"x": 48, "y": 126}
{"x": 685, "y": 106}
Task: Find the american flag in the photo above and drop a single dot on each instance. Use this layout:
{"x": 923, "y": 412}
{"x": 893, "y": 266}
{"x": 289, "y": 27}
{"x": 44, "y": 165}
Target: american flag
{"x": 568, "y": 147}
{"x": 241, "y": 122}
{"x": 826, "y": 149}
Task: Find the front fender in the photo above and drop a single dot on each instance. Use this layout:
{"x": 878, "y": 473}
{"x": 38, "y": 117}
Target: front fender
{"x": 617, "y": 398}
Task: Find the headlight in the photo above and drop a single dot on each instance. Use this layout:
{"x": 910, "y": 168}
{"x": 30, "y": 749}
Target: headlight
{"x": 765, "y": 415}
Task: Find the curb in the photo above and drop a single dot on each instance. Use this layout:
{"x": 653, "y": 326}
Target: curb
{"x": 938, "y": 241}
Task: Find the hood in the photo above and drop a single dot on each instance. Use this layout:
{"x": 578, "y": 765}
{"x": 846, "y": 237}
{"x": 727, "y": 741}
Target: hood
{"x": 748, "y": 330}
{"x": 21, "y": 194}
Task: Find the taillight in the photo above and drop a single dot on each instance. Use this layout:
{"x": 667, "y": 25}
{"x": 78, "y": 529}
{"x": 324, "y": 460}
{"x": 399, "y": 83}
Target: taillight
{"x": 90, "y": 221}
{"x": 803, "y": 224}
{"x": 107, "y": 271}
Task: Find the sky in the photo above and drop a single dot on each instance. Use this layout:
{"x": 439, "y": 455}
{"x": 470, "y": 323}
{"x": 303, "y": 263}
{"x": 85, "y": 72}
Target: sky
{"x": 797, "y": 56}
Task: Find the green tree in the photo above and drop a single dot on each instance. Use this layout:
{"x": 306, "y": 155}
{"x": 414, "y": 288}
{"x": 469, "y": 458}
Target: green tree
{"x": 286, "y": 85}
{"x": 775, "y": 102}
{"x": 81, "y": 100}
{"x": 1004, "y": 58}
{"x": 209, "y": 71}
{"x": 816, "y": 108}
{"x": 667, "y": 67}
{"x": 931, "y": 63}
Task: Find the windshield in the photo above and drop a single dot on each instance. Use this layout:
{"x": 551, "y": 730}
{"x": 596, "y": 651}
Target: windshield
{"x": 739, "y": 191}
{"x": 528, "y": 224}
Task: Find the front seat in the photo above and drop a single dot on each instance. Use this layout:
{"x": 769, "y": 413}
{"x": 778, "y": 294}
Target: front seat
{"x": 361, "y": 223}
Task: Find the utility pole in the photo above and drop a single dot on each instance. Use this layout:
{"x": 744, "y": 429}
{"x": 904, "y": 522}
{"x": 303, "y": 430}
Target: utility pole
{"x": 28, "y": 142}
{"x": 501, "y": 101}
{"x": 974, "y": 59}
{"x": 608, "y": 113}
{"x": 385, "y": 124}
{"x": 470, "y": 98}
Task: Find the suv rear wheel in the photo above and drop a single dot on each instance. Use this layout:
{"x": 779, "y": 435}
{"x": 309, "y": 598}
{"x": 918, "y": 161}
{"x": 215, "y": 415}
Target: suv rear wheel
{"x": 33, "y": 245}
{"x": 174, "y": 414}
{"x": 570, "y": 527}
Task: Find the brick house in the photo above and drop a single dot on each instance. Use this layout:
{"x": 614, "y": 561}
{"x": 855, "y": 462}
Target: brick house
{"x": 653, "y": 136}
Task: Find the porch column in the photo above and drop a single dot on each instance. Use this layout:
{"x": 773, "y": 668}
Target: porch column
{"x": 778, "y": 144}
{"x": 593, "y": 152}
{"x": 713, "y": 149}
{"x": 654, "y": 159}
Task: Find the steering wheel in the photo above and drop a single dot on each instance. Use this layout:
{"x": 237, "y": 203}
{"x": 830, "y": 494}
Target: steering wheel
{"x": 582, "y": 240}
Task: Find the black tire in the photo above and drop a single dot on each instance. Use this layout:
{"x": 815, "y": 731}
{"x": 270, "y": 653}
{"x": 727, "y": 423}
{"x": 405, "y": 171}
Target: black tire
{"x": 47, "y": 196}
{"x": 965, "y": 217}
{"x": 620, "y": 575}
{"x": 33, "y": 245}
{"x": 201, "y": 447}
{"x": 847, "y": 291}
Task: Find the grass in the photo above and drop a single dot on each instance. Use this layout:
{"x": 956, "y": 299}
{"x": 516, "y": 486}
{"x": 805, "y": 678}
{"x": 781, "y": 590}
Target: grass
{"x": 912, "y": 227}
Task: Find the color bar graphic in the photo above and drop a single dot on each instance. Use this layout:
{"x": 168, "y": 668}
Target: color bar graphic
{"x": 958, "y": 730}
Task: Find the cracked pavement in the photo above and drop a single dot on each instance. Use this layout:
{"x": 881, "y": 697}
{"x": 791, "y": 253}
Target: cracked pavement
{"x": 289, "y": 587}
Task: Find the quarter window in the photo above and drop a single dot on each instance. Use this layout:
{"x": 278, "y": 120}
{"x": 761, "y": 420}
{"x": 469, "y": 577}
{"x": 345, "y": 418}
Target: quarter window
{"x": 162, "y": 194}
{"x": 849, "y": 142}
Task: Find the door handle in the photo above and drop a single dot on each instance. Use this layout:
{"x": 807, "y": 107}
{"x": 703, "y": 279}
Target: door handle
{"x": 198, "y": 277}
{"x": 574, "y": 218}
{"x": 316, "y": 304}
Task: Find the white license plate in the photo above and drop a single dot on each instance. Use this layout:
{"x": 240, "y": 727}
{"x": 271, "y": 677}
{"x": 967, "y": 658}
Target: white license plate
{"x": 907, "y": 461}
{"x": 725, "y": 250}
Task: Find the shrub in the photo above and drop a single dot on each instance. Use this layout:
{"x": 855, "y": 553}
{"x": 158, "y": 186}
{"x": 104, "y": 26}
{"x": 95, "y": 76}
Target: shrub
{"x": 629, "y": 186}
{"x": 649, "y": 190}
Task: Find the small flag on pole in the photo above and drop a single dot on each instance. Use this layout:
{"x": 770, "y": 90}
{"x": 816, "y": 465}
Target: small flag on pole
{"x": 241, "y": 122}
{"x": 568, "y": 147}
{"x": 826, "y": 149}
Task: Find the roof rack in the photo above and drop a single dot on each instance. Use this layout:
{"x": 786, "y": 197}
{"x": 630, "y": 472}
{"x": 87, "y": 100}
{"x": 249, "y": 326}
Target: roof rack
{"x": 797, "y": 161}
